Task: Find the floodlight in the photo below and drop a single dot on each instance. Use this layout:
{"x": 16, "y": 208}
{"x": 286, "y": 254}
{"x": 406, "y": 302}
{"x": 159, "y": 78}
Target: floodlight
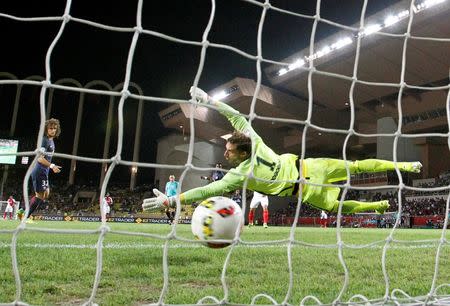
{"x": 220, "y": 95}
{"x": 282, "y": 71}
{"x": 372, "y": 29}
{"x": 297, "y": 64}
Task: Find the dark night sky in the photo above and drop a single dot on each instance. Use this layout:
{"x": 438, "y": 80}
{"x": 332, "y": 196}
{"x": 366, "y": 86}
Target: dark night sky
{"x": 161, "y": 68}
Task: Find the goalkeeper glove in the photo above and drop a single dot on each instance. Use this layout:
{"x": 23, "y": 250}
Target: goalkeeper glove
{"x": 199, "y": 95}
{"x": 161, "y": 201}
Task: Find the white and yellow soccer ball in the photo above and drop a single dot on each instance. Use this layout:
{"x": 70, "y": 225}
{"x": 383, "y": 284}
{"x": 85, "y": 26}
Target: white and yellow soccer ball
{"x": 216, "y": 218}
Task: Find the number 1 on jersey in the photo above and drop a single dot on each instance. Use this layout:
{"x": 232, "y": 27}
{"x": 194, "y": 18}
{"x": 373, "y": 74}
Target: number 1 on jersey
{"x": 260, "y": 160}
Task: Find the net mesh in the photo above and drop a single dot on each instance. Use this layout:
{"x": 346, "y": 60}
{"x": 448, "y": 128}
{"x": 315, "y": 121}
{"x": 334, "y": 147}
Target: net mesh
{"x": 124, "y": 95}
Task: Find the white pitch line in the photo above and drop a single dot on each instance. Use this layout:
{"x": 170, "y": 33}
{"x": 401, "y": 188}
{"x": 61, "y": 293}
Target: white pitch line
{"x": 174, "y": 246}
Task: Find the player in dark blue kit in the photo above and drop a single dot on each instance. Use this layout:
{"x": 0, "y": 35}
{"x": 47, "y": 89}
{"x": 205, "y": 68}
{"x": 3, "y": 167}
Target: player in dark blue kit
{"x": 40, "y": 172}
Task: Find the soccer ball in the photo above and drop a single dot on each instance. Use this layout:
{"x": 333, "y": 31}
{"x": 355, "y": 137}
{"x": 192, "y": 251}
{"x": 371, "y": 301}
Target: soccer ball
{"x": 216, "y": 218}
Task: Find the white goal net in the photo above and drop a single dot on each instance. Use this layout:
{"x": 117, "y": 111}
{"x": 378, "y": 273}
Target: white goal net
{"x": 294, "y": 254}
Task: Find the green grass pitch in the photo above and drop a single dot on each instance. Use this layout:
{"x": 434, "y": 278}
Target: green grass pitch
{"x": 59, "y": 269}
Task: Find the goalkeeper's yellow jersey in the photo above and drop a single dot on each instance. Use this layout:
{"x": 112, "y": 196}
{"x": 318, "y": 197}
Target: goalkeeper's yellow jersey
{"x": 273, "y": 174}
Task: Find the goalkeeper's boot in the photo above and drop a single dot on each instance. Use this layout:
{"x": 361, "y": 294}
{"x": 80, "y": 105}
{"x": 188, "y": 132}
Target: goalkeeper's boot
{"x": 382, "y": 207}
{"x": 417, "y": 167}
{"x": 413, "y": 167}
{"x": 265, "y": 225}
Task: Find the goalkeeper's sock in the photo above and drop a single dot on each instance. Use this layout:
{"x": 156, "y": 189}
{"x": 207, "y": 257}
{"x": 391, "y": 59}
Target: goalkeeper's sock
{"x": 351, "y": 206}
{"x": 251, "y": 215}
{"x": 265, "y": 216}
{"x": 373, "y": 165}
{"x": 377, "y": 165}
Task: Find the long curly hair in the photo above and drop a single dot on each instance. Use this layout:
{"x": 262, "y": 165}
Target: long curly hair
{"x": 53, "y": 122}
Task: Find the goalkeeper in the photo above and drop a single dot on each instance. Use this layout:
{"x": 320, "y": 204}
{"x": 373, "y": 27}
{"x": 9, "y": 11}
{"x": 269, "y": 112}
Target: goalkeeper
{"x": 278, "y": 175}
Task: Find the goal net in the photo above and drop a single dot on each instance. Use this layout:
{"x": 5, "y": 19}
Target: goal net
{"x": 91, "y": 263}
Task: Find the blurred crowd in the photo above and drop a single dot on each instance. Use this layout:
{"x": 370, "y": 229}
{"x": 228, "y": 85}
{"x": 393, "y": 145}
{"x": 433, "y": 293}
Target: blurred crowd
{"x": 64, "y": 199}
{"x": 425, "y": 202}
{"x": 421, "y": 201}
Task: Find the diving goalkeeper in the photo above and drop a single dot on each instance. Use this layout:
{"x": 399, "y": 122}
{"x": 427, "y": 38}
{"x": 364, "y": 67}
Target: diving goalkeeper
{"x": 278, "y": 175}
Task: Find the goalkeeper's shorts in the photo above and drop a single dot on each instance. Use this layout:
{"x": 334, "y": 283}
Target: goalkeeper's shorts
{"x": 323, "y": 171}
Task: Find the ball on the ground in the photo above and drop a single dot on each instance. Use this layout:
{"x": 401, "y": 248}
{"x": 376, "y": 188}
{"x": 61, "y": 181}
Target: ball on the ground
{"x": 216, "y": 218}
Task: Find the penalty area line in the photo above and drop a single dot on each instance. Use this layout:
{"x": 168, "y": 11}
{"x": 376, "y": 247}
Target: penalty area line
{"x": 174, "y": 246}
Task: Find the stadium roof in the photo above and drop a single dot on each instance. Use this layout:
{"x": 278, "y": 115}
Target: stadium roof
{"x": 426, "y": 63}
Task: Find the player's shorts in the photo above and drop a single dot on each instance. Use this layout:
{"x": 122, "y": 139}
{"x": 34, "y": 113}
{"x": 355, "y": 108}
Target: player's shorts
{"x": 323, "y": 171}
{"x": 9, "y": 209}
{"x": 259, "y": 199}
{"x": 106, "y": 208}
{"x": 40, "y": 181}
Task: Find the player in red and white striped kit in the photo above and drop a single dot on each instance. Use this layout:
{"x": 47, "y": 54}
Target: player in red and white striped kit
{"x": 323, "y": 219}
{"x": 11, "y": 203}
{"x": 259, "y": 198}
{"x": 107, "y": 203}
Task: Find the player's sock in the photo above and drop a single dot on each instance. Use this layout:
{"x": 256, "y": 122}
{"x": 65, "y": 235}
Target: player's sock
{"x": 265, "y": 216}
{"x": 173, "y": 217}
{"x": 169, "y": 215}
{"x": 377, "y": 165}
{"x": 10, "y": 216}
{"x": 4, "y": 215}
{"x": 251, "y": 215}
{"x": 373, "y": 165}
{"x": 34, "y": 204}
{"x": 32, "y": 201}
{"x": 352, "y": 206}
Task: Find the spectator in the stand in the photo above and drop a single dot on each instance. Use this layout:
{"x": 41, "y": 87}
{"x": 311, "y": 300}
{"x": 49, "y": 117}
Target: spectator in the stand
{"x": 217, "y": 174}
{"x": 171, "y": 190}
{"x": 237, "y": 197}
